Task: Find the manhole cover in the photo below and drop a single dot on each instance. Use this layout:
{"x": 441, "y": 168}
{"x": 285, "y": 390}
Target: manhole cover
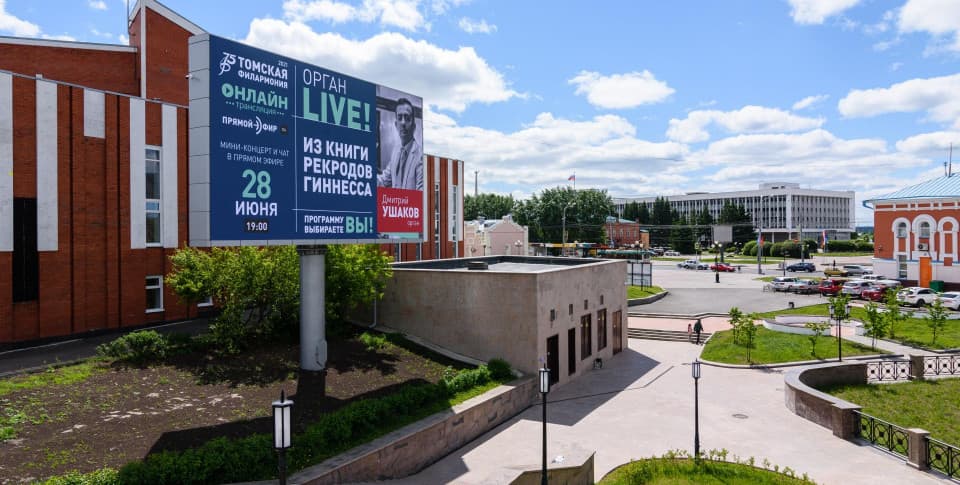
{"x": 740, "y": 416}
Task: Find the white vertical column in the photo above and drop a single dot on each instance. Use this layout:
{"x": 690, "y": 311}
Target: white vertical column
{"x": 93, "y": 114}
{"x": 138, "y": 183}
{"x": 169, "y": 216}
{"x": 313, "y": 319}
{"x": 47, "y": 193}
{"x": 6, "y": 162}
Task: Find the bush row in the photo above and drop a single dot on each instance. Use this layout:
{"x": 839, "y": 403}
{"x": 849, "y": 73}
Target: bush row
{"x": 253, "y": 458}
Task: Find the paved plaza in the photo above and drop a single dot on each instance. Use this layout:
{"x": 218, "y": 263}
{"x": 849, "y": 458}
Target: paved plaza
{"x": 640, "y": 404}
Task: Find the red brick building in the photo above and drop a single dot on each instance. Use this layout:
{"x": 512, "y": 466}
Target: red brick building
{"x": 915, "y": 232}
{"x": 93, "y": 181}
{"x": 625, "y": 233}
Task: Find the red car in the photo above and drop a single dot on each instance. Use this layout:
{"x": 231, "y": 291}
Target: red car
{"x": 830, "y": 286}
{"x": 876, "y": 292}
{"x": 722, "y": 267}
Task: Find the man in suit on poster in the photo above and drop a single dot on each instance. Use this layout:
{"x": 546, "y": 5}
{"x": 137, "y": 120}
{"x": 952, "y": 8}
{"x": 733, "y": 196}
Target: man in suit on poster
{"x": 405, "y": 168}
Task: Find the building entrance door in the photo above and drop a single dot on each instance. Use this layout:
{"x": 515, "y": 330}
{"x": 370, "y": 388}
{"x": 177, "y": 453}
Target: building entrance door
{"x": 926, "y": 272}
{"x": 553, "y": 358}
{"x": 617, "y": 332}
{"x": 571, "y": 351}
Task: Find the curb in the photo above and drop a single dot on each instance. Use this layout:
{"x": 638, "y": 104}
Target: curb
{"x": 799, "y": 363}
{"x": 647, "y": 300}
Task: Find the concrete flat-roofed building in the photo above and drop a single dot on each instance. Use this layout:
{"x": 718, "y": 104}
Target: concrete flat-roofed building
{"x": 779, "y": 210}
{"x": 566, "y": 312}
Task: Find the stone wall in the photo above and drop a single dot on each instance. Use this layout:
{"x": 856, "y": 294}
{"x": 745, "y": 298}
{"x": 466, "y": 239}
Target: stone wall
{"x": 412, "y": 448}
{"x": 806, "y": 401}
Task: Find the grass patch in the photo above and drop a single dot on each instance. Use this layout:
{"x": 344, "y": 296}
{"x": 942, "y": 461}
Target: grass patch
{"x": 930, "y": 405}
{"x": 773, "y": 347}
{"x": 685, "y": 471}
{"x": 913, "y": 332}
{"x": 70, "y": 374}
{"x": 637, "y": 292}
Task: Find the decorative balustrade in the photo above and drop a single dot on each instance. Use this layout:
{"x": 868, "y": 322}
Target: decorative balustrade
{"x": 943, "y": 457}
{"x": 883, "y": 434}
{"x": 888, "y": 371}
{"x": 941, "y": 365}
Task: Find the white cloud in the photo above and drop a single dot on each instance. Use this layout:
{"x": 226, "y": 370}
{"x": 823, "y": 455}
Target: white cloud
{"x": 404, "y": 14}
{"x": 816, "y": 11}
{"x": 936, "y": 144}
{"x": 440, "y": 7}
{"x": 940, "y": 18}
{"x": 14, "y": 26}
{"x": 749, "y": 119}
{"x": 896, "y": 66}
{"x": 448, "y": 79}
{"x": 476, "y": 27}
{"x": 938, "y": 96}
{"x": 809, "y": 101}
{"x": 620, "y": 91}
{"x": 97, "y": 4}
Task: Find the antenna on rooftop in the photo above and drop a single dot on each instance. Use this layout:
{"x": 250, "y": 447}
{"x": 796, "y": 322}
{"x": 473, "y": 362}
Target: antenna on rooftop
{"x": 950, "y": 170}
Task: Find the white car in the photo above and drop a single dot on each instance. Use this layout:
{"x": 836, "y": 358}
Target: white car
{"x": 804, "y": 286}
{"x": 855, "y": 287}
{"x": 782, "y": 283}
{"x": 693, "y": 264}
{"x": 916, "y": 296}
{"x": 950, "y": 299}
{"x": 671, "y": 253}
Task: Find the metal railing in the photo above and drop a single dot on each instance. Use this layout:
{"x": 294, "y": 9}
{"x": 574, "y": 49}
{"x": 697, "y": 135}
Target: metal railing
{"x": 943, "y": 457}
{"x": 888, "y": 371}
{"x": 882, "y": 434}
{"x": 940, "y": 365}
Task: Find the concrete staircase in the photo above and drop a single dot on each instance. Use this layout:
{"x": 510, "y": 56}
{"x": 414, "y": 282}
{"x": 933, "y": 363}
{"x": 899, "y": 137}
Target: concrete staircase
{"x": 665, "y": 335}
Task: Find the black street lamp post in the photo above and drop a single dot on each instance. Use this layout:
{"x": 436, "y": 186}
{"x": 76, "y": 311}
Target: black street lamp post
{"x": 839, "y": 312}
{"x": 281, "y": 433}
{"x": 695, "y": 370}
{"x": 716, "y": 265}
{"x": 544, "y": 389}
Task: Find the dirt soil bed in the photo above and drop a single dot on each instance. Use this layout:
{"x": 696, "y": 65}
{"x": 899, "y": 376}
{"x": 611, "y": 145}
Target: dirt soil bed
{"x": 123, "y": 413}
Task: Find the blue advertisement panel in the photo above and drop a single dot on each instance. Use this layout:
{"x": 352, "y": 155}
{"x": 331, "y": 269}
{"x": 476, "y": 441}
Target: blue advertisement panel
{"x": 295, "y": 150}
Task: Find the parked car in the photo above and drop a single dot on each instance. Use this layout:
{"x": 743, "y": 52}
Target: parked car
{"x": 693, "y": 264}
{"x": 830, "y": 286}
{"x": 781, "y": 283}
{"x": 873, "y": 277}
{"x": 834, "y": 271}
{"x": 722, "y": 267}
{"x": 671, "y": 253}
{"x": 916, "y": 296}
{"x": 856, "y": 269}
{"x": 950, "y": 299}
{"x": 804, "y": 286}
{"x": 808, "y": 267}
{"x": 855, "y": 287}
{"x": 878, "y": 290}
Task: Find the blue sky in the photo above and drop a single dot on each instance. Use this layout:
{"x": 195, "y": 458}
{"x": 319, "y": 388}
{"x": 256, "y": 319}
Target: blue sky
{"x": 637, "y": 97}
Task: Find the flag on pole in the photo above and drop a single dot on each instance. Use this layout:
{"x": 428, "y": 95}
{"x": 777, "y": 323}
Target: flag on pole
{"x": 760, "y": 240}
{"x": 824, "y": 239}
{"x": 572, "y": 178}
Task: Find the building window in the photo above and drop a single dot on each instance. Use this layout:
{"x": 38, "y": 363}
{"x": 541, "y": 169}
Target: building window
{"x": 902, "y": 229}
{"x": 602, "y": 329}
{"x": 26, "y": 262}
{"x": 586, "y": 304}
{"x": 586, "y": 339}
{"x": 924, "y": 229}
{"x": 553, "y": 314}
{"x": 208, "y": 301}
{"x": 154, "y": 294}
{"x": 571, "y": 309}
{"x": 152, "y": 195}
{"x": 902, "y": 266}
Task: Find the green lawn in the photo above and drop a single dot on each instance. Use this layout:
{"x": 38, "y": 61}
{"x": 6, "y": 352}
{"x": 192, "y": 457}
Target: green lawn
{"x": 930, "y": 405}
{"x": 665, "y": 471}
{"x": 913, "y": 332}
{"x": 772, "y": 347}
{"x": 637, "y": 292}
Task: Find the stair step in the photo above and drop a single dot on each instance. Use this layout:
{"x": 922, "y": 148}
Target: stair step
{"x": 663, "y": 335}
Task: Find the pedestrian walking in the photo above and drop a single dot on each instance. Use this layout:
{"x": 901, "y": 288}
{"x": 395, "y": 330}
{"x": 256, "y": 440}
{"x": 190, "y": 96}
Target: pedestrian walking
{"x": 689, "y": 332}
{"x": 698, "y": 327}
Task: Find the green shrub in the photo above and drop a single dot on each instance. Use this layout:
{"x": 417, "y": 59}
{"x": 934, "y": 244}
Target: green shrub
{"x": 499, "y": 369}
{"x": 104, "y": 476}
{"x": 374, "y": 341}
{"x": 139, "y": 347}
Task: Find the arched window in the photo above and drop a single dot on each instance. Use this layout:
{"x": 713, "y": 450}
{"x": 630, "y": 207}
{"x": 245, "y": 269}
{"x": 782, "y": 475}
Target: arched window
{"x": 924, "y": 229}
{"x": 902, "y": 229}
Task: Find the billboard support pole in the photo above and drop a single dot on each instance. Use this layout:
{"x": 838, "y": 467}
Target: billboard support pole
{"x": 313, "y": 341}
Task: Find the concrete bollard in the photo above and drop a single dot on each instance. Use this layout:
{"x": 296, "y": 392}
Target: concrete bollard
{"x": 917, "y": 456}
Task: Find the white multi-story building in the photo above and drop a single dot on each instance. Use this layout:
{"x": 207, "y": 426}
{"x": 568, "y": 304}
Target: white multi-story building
{"x": 779, "y": 210}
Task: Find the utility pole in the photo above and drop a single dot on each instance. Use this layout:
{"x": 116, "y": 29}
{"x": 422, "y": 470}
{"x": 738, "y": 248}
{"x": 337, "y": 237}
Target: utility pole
{"x": 475, "y": 173}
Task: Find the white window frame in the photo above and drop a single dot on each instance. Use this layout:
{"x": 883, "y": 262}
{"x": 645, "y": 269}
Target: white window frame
{"x": 206, "y": 302}
{"x": 155, "y": 284}
{"x": 153, "y": 206}
{"x": 902, "y": 230}
{"x": 925, "y": 229}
